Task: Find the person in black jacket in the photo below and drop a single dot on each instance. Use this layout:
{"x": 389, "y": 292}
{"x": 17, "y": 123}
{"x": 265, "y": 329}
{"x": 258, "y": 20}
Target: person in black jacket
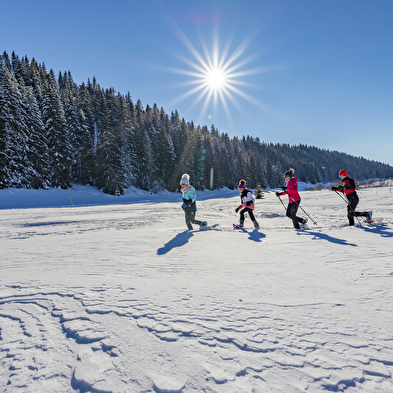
{"x": 349, "y": 189}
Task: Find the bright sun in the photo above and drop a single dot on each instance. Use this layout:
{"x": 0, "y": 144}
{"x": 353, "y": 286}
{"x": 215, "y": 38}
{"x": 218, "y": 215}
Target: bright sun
{"x": 215, "y": 78}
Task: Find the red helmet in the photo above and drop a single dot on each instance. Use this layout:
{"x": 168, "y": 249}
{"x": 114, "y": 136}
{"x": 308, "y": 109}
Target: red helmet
{"x": 343, "y": 173}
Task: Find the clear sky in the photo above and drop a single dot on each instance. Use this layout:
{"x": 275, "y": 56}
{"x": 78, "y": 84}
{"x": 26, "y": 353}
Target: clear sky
{"x": 308, "y": 72}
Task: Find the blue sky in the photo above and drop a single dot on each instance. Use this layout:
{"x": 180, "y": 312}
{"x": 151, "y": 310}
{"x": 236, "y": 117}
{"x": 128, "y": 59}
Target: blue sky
{"x": 299, "y": 72}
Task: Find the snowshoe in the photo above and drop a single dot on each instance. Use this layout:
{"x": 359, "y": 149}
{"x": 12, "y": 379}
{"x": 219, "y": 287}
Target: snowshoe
{"x": 373, "y": 221}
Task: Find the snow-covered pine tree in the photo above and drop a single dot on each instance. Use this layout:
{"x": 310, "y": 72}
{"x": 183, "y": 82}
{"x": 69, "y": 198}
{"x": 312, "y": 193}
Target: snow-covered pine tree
{"x": 166, "y": 159}
{"x": 36, "y": 141}
{"x": 56, "y": 132}
{"x": 219, "y": 170}
{"x": 256, "y": 169}
{"x": 152, "y": 122}
{"x": 76, "y": 131}
{"x": 202, "y": 159}
{"x": 142, "y": 153}
{"x": 7, "y": 61}
{"x": 14, "y": 165}
{"x": 87, "y": 150}
{"x": 110, "y": 173}
{"x": 178, "y": 132}
{"x": 258, "y": 192}
{"x": 229, "y": 164}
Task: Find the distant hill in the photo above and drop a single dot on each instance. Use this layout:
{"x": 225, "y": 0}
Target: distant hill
{"x": 54, "y": 133}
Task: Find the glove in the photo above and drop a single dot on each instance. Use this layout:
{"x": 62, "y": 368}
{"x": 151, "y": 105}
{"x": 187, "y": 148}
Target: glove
{"x": 278, "y": 194}
{"x": 248, "y": 203}
{"x": 183, "y": 206}
{"x": 284, "y": 188}
{"x": 340, "y": 187}
{"x": 334, "y": 188}
{"x": 237, "y": 209}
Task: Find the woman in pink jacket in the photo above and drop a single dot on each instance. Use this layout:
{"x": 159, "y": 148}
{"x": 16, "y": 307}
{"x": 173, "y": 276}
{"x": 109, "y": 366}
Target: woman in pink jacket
{"x": 294, "y": 198}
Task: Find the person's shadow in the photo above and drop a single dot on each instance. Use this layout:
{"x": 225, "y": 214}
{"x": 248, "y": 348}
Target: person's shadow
{"x": 324, "y": 236}
{"x": 254, "y": 235}
{"x": 378, "y": 229}
{"x": 179, "y": 240}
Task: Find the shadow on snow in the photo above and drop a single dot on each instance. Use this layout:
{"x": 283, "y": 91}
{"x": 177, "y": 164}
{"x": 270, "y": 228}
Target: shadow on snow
{"x": 182, "y": 238}
{"x": 380, "y": 229}
{"x": 254, "y": 235}
{"x": 323, "y": 236}
{"x": 179, "y": 240}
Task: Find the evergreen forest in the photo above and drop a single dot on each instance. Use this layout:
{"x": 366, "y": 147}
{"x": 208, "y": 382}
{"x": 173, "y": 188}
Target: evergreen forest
{"x": 55, "y": 133}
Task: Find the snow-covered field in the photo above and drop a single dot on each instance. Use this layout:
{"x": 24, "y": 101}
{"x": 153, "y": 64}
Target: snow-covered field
{"x": 113, "y": 295}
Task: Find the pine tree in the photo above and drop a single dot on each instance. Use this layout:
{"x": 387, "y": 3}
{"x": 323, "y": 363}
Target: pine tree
{"x": 37, "y": 145}
{"x": 166, "y": 159}
{"x": 152, "y": 125}
{"x": 258, "y": 192}
{"x": 241, "y": 161}
{"x": 111, "y": 177}
{"x": 56, "y": 132}
{"x": 77, "y": 126}
{"x": 88, "y": 152}
{"x": 228, "y": 163}
{"x": 37, "y": 81}
{"x": 15, "y": 168}
{"x": 142, "y": 153}
{"x": 7, "y": 61}
{"x": 256, "y": 170}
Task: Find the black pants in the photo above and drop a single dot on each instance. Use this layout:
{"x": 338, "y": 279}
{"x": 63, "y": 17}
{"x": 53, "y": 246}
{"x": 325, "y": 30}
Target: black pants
{"x": 353, "y": 201}
{"x": 291, "y": 213}
{"x": 190, "y": 218}
{"x": 243, "y": 212}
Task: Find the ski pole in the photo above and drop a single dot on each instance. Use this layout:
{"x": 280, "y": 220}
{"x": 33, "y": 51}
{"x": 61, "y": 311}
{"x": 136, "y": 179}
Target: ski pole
{"x": 279, "y": 197}
{"x": 298, "y": 204}
{"x": 350, "y": 208}
{"x": 342, "y": 197}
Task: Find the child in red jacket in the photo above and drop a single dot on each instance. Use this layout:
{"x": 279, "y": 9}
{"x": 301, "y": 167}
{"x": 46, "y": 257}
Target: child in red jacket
{"x": 349, "y": 189}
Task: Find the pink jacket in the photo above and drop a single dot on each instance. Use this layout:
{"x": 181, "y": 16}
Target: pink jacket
{"x": 292, "y": 190}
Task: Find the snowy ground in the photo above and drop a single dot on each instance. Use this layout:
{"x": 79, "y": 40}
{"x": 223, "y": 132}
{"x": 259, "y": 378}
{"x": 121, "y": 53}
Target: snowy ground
{"x": 105, "y": 297}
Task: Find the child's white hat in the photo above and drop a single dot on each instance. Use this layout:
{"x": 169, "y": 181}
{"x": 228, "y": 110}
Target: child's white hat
{"x": 185, "y": 179}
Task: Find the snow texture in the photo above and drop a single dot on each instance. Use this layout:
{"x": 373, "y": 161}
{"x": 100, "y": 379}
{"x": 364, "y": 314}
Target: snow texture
{"x": 112, "y": 294}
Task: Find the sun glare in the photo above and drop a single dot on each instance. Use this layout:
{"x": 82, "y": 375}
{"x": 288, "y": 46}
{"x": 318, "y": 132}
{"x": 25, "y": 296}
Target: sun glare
{"x": 217, "y": 77}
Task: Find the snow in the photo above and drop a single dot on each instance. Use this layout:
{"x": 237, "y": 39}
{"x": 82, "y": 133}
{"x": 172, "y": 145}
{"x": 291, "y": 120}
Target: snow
{"x": 111, "y": 294}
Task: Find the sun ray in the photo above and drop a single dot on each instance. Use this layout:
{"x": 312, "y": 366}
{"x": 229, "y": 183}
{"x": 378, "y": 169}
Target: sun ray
{"x": 219, "y": 75}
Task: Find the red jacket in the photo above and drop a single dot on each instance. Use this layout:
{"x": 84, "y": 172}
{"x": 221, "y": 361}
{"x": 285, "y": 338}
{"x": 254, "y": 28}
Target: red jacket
{"x": 348, "y": 187}
{"x": 292, "y": 191}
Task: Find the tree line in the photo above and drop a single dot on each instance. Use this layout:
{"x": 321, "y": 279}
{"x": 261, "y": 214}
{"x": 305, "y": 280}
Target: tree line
{"x": 54, "y": 133}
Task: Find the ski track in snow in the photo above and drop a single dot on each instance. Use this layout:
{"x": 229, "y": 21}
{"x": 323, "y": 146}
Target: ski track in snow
{"x": 121, "y": 298}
